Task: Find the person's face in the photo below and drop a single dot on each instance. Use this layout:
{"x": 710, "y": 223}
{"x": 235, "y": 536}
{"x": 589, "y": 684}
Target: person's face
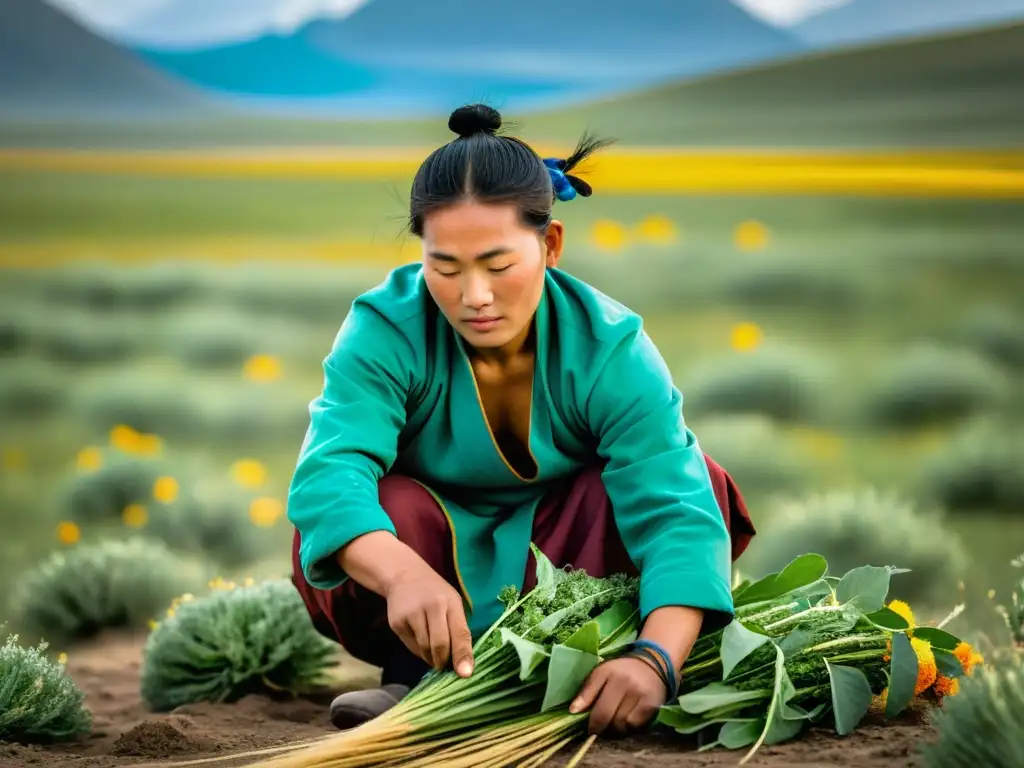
{"x": 485, "y": 269}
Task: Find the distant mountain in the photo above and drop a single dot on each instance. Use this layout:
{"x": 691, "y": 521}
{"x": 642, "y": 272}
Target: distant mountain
{"x": 960, "y": 90}
{"x": 611, "y": 40}
{"x": 872, "y": 20}
{"x": 50, "y": 65}
{"x": 411, "y": 55}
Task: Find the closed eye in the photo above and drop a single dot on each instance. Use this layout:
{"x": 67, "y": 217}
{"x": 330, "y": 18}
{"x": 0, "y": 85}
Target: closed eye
{"x": 499, "y": 269}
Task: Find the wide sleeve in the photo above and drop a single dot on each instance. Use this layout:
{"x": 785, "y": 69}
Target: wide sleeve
{"x": 351, "y": 442}
{"x": 658, "y": 483}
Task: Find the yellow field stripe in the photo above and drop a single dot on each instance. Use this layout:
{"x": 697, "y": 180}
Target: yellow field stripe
{"x": 223, "y": 251}
{"x": 971, "y": 173}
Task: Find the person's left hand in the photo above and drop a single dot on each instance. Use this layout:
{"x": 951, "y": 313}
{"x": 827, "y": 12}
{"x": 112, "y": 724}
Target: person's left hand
{"x": 624, "y": 694}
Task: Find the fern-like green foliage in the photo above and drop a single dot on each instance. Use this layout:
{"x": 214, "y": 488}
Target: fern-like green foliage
{"x": 232, "y": 643}
{"x": 983, "y": 724}
{"x": 39, "y": 702}
{"x": 76, "y": 593}
{"x": 864, "y": 526}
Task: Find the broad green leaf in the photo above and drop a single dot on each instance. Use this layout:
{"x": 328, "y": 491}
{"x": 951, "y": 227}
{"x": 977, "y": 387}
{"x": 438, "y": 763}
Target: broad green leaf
{"x": 587, "y": 639}
{"x": 851, "y": 696}
{"x": 803, "y": 571}
{"x": 947, "y": 664}
{"x": 902, "y": 675}
{"x": 738, "y": 642}
{"x": 937, "y": 638}
{"x": 683, "y": 722}
{"x": 617, "y": 618}
{"x": 567, "y": 672}
{"x": 531, "y": 655}
{"x": 618, "y": 643}
{"x": 796, "y": 712}
{"x": 784, "y": 728}
{"x": 782, "y": 692}
{"x": 865, "y": 587}
{"x": 737, "y": 734}
{"x": 548, "y": 577}
{"x": 715, "y": 695}
{"x": 886, "y": 618}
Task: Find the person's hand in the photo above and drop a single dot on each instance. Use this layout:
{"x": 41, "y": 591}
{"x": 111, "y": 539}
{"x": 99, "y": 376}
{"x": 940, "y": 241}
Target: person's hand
{"x": 623, "y": 694}
{"x": 427, "y": 614}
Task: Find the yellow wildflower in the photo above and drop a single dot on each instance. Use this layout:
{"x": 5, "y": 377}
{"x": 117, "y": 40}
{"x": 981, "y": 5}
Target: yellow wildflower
{"x": 264, "y": 512}
{"x": 165, "y": 490}
{"x": 89, "y": 459}
{"x": 751, "y": 236}
{"x": 153, "y": 624}
{"x": 657, "y": 229}
{"x": 608, "y": 235}
{"x": 262, "y": 368}
{"x": 903, "y": 610}
{"x": 62, "y": 658}
{"x": 968, "y": 657}
{"x": 249, "y": 473}
{"x": 746, "y": 337}
{"x": 135, "y": 516}
{"x": 927, "y": 672}
{"x": 124, "y": 438}
{"x": 68, "y": 533}
{"x": 148, "y": 445}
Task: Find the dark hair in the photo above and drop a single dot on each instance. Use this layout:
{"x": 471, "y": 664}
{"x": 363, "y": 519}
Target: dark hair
{"x": 482, "y": 165}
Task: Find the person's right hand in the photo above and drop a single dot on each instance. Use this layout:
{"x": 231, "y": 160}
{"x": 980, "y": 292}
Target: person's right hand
{"x": 427, "y": 614}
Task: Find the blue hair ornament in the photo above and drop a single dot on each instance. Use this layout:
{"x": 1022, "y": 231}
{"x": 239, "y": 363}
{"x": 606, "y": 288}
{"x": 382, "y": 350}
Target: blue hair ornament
{"x": 564, "y": 189}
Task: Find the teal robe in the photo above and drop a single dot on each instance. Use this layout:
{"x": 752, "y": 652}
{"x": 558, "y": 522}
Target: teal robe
{"x": 400, "y": 397}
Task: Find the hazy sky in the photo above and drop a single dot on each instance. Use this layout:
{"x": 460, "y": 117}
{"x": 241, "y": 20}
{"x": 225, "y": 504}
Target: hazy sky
{"x": 286, "y": 14}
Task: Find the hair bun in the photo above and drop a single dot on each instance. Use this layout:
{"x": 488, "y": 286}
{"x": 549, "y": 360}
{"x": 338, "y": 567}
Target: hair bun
{"x": 474, "y": 118}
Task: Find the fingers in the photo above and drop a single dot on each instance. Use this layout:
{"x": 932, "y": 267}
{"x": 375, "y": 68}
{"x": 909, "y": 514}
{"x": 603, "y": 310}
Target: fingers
{"x": 461, "y": 639}
{"x": 607, "y": 705}
{"x": 439, "y": 639}
{"x": 627, "y": 706}
{"x": 589, "y": 691}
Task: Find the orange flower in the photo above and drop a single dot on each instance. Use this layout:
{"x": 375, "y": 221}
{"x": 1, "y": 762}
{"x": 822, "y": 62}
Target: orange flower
{"x": 135, "y": 516}
{"x": 262, "y": 368}
{"x": 264, "y": 512}
{"x": 89, "y": 459}
{"x": 927, "y": 672}
{"x": 68, "y": 533}
{"x": 746, "y": 337}
{"x": 165, "y": 489}
{"x": 968, "y": 657}
{"x": 124, "y": 438}
{"x": 946, "y": 686}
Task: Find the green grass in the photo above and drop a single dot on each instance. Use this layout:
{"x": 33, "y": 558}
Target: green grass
{"x": 958, "y": 90}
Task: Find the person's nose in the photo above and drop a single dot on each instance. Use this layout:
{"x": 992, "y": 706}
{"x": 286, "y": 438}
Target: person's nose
{"x": 476, "y": 292}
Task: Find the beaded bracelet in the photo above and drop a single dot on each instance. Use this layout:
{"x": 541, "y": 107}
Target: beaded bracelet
{"x": 652, "y": 650}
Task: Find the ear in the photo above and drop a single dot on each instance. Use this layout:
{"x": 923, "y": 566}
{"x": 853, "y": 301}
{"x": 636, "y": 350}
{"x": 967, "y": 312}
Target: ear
{"x": 553, "y": 241}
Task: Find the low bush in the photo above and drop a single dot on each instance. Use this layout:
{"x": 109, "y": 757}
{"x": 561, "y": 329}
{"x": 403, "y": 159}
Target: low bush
{"x": 76, "y": 593}
{"x": 31, "y": 388}
{"x": 232, "y": 643}
{"x": 996, "y": 333}
{"x": 121, "y": 479}
{"x": 929, "y": 384}
{"x": 864, "y": 526}
{"x": 782, "y": 383}
{"x": 980, "y": 469}
{"x": 983, "y": 724}
{"x": 39, "y": 702}
{"x": 753, "y": 451}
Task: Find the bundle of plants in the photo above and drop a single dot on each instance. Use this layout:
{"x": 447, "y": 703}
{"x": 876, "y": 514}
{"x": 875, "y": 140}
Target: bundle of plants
{"x": 803, "y": 646}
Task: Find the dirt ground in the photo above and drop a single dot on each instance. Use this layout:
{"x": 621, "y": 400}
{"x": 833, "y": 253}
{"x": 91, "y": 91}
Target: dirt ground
{"x": 125, "y": 734}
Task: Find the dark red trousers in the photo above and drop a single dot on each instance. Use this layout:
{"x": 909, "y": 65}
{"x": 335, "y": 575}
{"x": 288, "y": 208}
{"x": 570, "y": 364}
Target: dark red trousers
{"x": 574, "y": 526}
